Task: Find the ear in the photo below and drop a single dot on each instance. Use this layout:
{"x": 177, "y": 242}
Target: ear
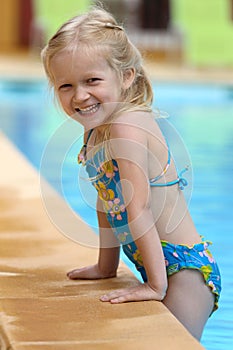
{"x": 128, "y": 78}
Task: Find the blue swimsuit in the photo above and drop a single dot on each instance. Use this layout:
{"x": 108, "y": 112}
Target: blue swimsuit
{"x": 105, "y": 177}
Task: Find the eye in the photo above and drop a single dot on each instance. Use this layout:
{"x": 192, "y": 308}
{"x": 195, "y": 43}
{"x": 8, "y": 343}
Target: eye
{"x": 93, "y": 80}
{"x": 65, "y": 86}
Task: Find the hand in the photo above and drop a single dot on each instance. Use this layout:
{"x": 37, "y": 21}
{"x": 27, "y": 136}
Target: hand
{"x": 88, "y": 273}
{"x": 139, "y": 293}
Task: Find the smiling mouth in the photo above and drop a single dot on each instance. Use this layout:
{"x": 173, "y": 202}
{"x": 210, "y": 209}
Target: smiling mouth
{"x": 88, "y": 110}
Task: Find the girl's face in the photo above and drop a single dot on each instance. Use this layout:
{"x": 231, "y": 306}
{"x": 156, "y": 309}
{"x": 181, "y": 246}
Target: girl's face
{"x": 86, "y": 86}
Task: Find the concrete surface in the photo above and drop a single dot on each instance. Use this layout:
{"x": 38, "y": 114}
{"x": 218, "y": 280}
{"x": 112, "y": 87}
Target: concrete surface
{"x": 39, "y": 307}
{"x": 28, "y": 66}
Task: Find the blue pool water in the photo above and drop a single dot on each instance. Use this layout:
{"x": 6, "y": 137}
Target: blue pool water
{"x": 202, "y": 114}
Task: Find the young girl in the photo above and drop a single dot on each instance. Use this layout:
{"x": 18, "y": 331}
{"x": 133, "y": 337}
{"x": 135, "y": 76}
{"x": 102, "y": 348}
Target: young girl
{"x": 99, "y": 80}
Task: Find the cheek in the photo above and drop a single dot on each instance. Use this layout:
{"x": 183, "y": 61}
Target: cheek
{"x": 118, "y": 90}
{"x": 64, "y": 102}
{"x": 113, "y": 94}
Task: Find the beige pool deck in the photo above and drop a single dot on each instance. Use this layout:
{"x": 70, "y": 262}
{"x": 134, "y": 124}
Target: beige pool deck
{"x": 39, "y": 307}
{"x": 23, "y": 66}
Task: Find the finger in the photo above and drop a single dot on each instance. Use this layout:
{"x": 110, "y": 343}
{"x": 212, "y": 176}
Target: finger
{"x": 71, "y": 274}
{"x": 131, "y": 296}
{"x": 122, "y": 295}
{"x": 115, "y": 294}
{"x": 113, "y": 300}
{"x": 74, "y": 274}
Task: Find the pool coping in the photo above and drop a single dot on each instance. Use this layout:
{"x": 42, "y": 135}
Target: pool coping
{"x": 39, "y": 306}
{"x": 29, "y": 66}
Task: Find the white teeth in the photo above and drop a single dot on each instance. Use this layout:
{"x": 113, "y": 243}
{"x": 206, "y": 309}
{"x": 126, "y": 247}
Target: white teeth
{"x": 90, "y": 109}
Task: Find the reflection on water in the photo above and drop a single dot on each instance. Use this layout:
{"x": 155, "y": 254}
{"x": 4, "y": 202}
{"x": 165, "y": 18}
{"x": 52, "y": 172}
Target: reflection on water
{"x": 203, "y": 115}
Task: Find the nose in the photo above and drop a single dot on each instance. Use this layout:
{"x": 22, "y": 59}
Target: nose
{"x": 81, "y": 94}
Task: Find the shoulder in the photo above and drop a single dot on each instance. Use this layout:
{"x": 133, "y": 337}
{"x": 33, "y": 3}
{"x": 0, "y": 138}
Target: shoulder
{"x": 132, "y": 125}
{"x": 136, "y": 125}
{"x": 129, "y": 136}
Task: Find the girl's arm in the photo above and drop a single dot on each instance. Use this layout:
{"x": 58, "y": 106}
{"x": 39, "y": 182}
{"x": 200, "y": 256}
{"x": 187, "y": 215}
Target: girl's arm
{"x": 130, "y": 149}
{"x": 109, "y": 251}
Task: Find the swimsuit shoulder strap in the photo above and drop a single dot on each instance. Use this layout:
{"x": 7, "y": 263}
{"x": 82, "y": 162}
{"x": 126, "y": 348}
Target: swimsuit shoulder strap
{"x": 155, "y": 179}
{"x": 182, "y": 182}
{"x": 83, "y": 151}
{"x": 88, "y": 136}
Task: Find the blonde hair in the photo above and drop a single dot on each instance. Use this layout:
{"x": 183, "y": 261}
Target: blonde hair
{"x": 99, "y": 29}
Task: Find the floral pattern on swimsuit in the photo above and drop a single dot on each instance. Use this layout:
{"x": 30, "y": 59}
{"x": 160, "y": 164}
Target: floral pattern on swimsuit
{"x": 197, "y": 257}
{"x": 105, "y": 177}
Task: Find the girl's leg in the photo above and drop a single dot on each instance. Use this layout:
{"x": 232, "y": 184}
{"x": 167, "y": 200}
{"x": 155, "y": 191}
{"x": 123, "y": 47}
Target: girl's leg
{"x": 190, "y": 300}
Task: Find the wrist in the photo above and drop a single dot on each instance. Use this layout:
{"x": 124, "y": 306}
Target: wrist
{"x": 160, "y": 290}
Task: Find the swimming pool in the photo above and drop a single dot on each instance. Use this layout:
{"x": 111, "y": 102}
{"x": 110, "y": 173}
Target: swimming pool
{"x": 203, "y": 114}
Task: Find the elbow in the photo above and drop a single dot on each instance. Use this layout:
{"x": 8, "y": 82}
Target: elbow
{"x": 160, "y": 289}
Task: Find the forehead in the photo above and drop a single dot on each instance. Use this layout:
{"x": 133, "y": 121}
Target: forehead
{"x": 80, "y": 59}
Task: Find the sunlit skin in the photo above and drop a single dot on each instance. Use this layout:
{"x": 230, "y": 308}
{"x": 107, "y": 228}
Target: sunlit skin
{"x": 83, "y": 93}
{"x": 84, "y": 84}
